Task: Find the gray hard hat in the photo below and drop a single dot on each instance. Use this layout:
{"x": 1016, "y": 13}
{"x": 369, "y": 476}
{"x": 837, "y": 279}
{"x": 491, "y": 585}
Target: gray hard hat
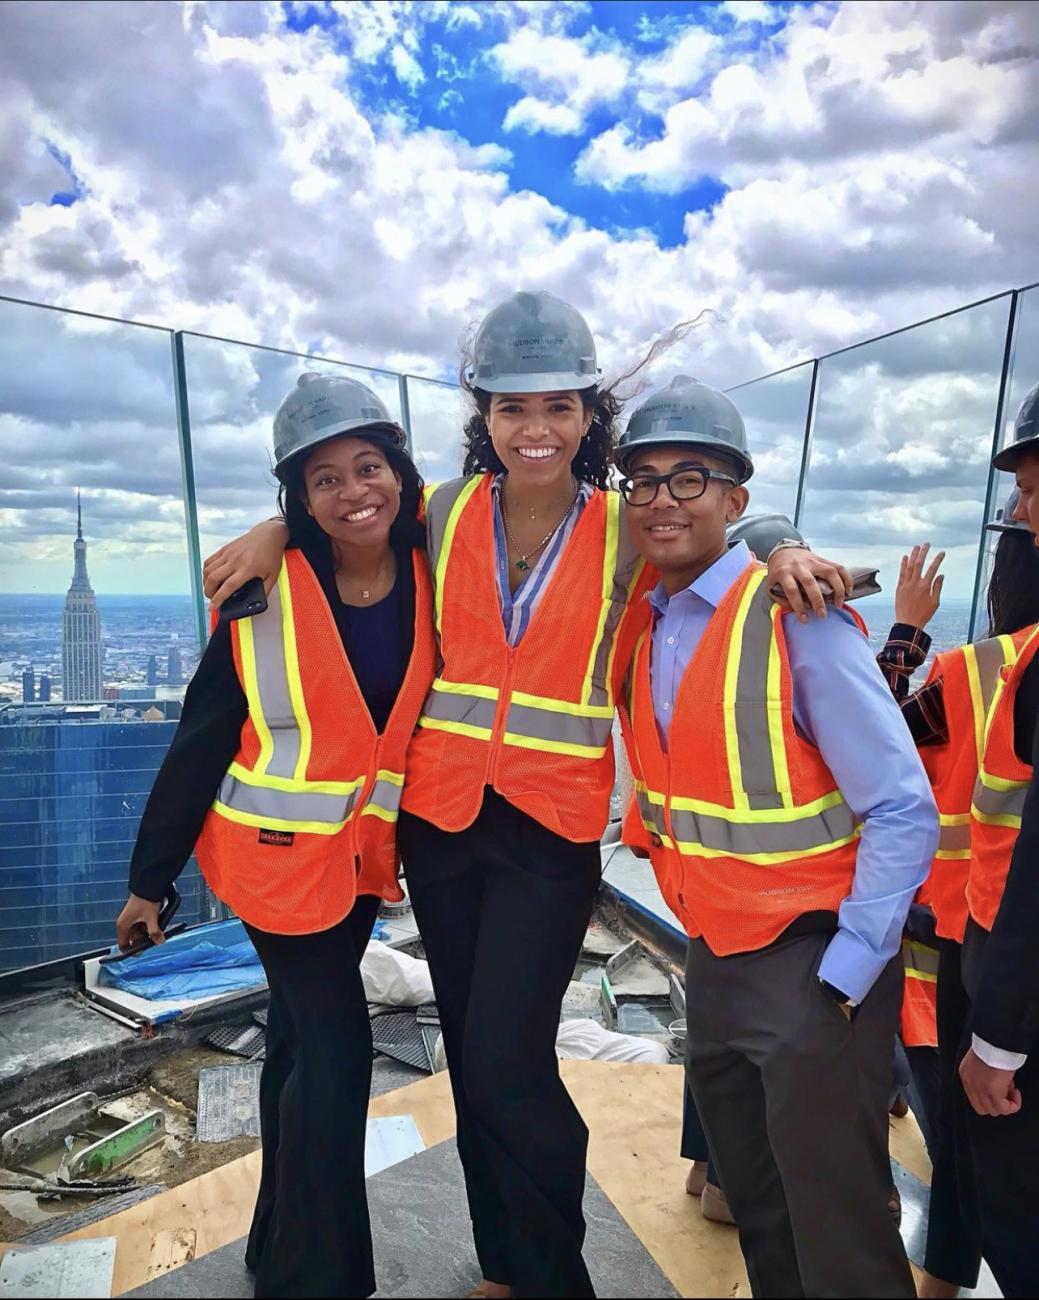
{"x": 323, "y": 406}
{"x": 686, "y": 411}
{"x": 533, "y": 343}
{"x": 1026, "y": 434}
{"x": 761, "y": 533}
{"x": 1004, "y": 521}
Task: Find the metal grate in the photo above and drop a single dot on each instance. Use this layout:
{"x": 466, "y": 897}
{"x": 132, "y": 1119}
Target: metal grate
{"x": 239, "y": 1040}
{"x": 398, "y": 1034}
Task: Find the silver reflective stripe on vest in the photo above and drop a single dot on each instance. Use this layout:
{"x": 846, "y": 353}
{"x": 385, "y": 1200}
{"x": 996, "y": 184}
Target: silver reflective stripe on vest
{"x": 920, "y": 962}
{"x": 954, "y": 838}
{"x": 990, "y": 805}
{"x": 757, "y": 643}
{"x": 746, "y": 839}
{"x": 570, "y": 729}
{"x": 385, "y": 797}
{"x": 459, "y": 706}
{"x": 280, "y": 806}
{"x": 990, "y": 656}
{"x": 273, "y": 686}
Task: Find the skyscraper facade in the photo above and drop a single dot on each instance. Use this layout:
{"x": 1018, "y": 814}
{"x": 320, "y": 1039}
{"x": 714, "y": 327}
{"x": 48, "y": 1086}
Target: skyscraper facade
{"x": 174, "y": 665}
{"x": 81, "y": 631}
{"x": 28, "y": 686}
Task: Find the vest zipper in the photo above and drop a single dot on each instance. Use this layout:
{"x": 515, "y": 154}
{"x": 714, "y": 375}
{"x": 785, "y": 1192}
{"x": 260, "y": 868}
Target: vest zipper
{"x": 497, "y": 744}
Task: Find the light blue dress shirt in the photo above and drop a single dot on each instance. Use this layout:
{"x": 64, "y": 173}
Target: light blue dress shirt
{"x": 842, "y": 705}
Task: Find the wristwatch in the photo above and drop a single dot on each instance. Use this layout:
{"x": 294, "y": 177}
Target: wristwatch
{"x": 785, "y": 542}
{"x": 838, "y": 995}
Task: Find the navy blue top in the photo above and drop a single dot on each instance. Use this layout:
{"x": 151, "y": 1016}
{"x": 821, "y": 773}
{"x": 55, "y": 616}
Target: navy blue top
{"x": 376, "y": 652}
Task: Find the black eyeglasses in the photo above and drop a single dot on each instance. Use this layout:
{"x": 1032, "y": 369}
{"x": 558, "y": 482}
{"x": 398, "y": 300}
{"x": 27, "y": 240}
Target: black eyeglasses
{"x": 683, "y": 484}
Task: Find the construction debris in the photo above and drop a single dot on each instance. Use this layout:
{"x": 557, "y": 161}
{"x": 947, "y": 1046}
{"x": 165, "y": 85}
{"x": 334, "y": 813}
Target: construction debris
{"x": 228, "y": 1103}
{"x": 63, "y": 1269}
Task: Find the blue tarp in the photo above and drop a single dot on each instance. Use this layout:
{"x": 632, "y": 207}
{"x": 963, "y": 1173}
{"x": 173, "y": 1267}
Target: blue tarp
{"x": 200, "y": 963}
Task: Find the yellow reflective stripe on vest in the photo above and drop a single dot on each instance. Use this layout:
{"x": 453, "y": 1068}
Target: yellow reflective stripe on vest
{"x": 920, "y": 961}
{"x": 753, "y": 710}
{"x": 954, "y": 836}
{"x": 292, "y": 675}
{"x": 269, "y": 782}
{"x": 440, "y": 542}
{"x": 466, "y": 708}
{"x": 983, "y": 660}
{"x": 652, "y": 813}
{"x": 384, "y": 799}
{"x": 622, "y": 568}
{"x": 273, "y": 687}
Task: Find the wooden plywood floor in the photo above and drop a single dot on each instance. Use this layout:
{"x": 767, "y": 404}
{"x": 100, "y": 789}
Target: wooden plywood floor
{"x": 633, "y": 1113}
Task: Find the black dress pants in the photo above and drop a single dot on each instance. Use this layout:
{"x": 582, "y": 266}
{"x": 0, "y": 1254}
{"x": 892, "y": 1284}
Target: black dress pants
{"x": 1004, "y": 1150}
{"x": 694, "y": 1140}
{"x": 794, "y": 1101}
{"x": 502, "y": 908}
{"x": 954, "y": 1219}
{"x": 310, "y": 1234}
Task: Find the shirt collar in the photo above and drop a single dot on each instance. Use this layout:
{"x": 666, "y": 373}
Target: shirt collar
{"x": 713, "y": 583}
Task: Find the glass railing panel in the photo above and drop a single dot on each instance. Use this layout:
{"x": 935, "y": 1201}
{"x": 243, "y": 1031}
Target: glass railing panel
{"x": 1023, "y": 376}
{"x": 901, "y": 440}
{"x": 775, "y": 412}
{"x": 437, "y": 414}
{"x": 97, "y": 635}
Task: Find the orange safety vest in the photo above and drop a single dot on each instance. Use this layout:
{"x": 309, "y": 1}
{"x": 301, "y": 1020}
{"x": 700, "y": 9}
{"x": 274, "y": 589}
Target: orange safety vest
{"x": 747, "y": 828}
{"x": 304, "y": 820}
{"x": 970, "y": 675}
{"x": 999, "y": 795}
{"x": 919, "y": 994}
{"x": 534, "y": 720}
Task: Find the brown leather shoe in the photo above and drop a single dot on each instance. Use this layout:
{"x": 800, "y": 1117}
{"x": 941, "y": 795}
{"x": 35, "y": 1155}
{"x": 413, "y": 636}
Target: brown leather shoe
{"x": 714, "y": 1205}
{"x": 899, "y": 1108}
{"x": 696, "y": 1177}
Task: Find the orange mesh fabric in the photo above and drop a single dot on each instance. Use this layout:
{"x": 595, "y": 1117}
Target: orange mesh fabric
{"x": 447, "y": 771}
{"x": 993, "y": 845}
{"x": 309, "y": 881}
{"x": 736, "y": 905}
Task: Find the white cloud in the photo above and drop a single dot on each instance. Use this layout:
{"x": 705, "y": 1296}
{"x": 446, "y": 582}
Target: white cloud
{"x": 749, "y": 11}
{"x": 565, "y": 77}
{"x": 880, "y": 169}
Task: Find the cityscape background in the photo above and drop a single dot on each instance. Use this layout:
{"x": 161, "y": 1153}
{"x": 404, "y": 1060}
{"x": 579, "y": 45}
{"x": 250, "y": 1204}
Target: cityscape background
{"x": 104, "y": 523}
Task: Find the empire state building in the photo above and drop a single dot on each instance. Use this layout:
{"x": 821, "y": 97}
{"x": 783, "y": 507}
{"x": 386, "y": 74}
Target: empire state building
{"x": 81, "y": 634}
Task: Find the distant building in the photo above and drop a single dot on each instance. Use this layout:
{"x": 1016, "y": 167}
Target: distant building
{"x": 174, "y": 665}
{"x": 74, "y": 787}
{"x": 45, "y": 689}
{"x": 29, "y": 686}
{"x": 153, "y": 671}
{"x": 81, "y": 632}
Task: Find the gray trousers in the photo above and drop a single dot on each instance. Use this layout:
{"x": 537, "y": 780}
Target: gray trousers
{"x": 794, "y": 1101}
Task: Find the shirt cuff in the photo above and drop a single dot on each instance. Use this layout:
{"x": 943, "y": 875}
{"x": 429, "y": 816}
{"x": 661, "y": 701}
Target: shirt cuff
{"x": 995, "y": 1057}
{"x": 851, "y": 966}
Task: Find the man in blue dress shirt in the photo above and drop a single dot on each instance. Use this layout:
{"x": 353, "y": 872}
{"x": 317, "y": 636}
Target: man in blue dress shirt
{"x": 789, "y": 1045}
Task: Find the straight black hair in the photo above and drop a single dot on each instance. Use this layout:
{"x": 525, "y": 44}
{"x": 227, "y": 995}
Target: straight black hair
{"x": 406, "y": 532}
{"x": 1013, "y": 590}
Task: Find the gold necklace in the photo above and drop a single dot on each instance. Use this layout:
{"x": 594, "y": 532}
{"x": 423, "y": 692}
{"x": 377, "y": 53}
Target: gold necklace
{"x": 521, "y": 563}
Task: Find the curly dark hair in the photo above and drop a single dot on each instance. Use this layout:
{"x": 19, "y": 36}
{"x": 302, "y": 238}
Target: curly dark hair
{"x": 1013, "y": 590}
{"x": 406, "y": 532}
{"x": 594, "y": 458}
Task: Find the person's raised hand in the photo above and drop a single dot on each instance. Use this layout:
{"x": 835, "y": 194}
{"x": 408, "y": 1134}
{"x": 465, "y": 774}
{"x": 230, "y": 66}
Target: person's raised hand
{"x": 919, "y": 591}
{"x": 257, "y": 554}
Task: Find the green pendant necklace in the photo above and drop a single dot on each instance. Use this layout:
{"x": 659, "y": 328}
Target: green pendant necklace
{"x": 523, "y": 562}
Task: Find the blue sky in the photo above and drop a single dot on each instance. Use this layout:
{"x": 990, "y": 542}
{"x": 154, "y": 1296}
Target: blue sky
{"x": 463, "y": 92}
